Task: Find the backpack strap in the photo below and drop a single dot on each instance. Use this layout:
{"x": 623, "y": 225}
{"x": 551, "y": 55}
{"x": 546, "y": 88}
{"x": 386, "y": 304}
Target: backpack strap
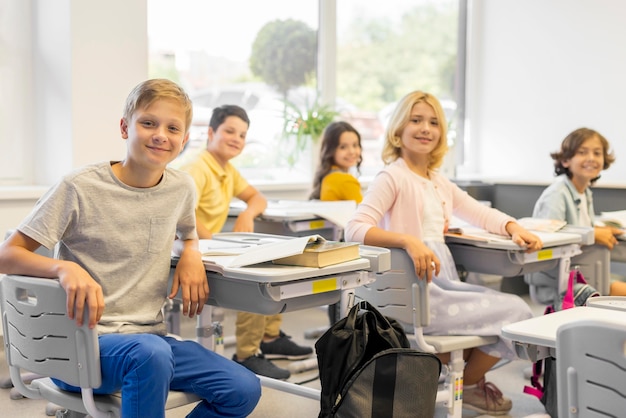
{"x": 382, "y": 403}
{"x": 536, "y": 388}
{"x": 568, "y": 299}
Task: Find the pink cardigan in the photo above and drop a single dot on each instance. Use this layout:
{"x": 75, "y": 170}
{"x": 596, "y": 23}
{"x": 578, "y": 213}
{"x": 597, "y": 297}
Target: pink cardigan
{"x": 395, "y": 202}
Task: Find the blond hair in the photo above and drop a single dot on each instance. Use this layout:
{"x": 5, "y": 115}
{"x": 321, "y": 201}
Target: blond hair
{"x": 399, "y": 119}
{"x": 149, "y": 91}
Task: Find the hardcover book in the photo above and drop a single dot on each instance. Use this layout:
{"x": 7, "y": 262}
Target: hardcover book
{"x": 322, "y": 253}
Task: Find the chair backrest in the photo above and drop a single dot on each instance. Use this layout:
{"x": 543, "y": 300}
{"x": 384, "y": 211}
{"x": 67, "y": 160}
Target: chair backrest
{"x": 591, "y": 369}
{"x": 397, "y": 291}
{"x": 39, "y": 336}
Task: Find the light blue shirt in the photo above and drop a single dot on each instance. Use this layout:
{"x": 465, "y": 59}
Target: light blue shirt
{"x": 562, "y": 201}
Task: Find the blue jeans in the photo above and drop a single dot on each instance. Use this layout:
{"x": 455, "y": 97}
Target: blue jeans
{"x": 146, "y": 366}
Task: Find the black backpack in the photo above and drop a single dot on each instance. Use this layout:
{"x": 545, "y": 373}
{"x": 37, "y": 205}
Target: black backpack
{"x": 367, "y": 369}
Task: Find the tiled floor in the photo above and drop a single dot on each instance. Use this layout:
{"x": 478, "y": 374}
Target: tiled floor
{"x": 275, "y": 404}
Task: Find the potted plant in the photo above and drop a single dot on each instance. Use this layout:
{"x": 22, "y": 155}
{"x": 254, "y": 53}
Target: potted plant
{"x": 303, "y": 126}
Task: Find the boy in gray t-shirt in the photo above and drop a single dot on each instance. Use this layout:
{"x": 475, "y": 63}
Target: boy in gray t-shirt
{"x": 116, "y": 224}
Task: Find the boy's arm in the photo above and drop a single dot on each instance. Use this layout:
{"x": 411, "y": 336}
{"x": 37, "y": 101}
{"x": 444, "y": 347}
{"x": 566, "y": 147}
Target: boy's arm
{"x": 203, "y": 232}
{"x": 190, "y": 277}
{"x": 17, "y": 256}
{"x": 256, "y": 204}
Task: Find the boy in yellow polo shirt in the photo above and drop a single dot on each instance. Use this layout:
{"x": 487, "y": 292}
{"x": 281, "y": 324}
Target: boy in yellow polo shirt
{"x": 217, "y": 182}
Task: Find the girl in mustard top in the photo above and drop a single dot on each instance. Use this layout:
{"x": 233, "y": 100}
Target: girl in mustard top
{"x": 341, "y": 150}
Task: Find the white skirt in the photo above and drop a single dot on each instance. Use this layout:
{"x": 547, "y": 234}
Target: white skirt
{"x": 459, "y": 308}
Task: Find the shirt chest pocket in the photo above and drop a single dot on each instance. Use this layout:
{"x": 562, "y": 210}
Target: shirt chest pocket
{"x": 162, "y": 234}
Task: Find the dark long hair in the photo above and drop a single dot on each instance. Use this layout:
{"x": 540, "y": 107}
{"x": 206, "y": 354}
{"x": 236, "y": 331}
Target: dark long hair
{"x": 330, "y": 142}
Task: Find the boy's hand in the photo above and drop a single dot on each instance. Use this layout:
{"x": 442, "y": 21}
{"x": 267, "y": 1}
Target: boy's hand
{"x": 82, "y": 291}
{"x": 190, "y": 277}
{"x": 606, "y": 236}
{"x": 244, "y": 222}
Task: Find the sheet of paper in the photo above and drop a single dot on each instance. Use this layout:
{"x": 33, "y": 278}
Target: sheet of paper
{"x": 543, "y": 225}
{"x": 481, "y": 234}
{"x": 213, "y": 247}
{"x": 337, "y": 212}
{"x": 268, "y": 252}
{"x": 617, "y": 215}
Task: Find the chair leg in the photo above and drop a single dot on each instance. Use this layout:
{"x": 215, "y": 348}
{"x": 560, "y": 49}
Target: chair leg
{"x": 454, "y": 384}
{"x": 5, "y": 382}
{"x": 64, "y": 413}
{"x": 15, "y": 394}
{"x": 53, "y": 410}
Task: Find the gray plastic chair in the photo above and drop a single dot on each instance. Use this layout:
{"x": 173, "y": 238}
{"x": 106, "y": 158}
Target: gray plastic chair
{"x": 40, "y": 338}
{"x": 5, "y": 380}
{"x": 399, "y": 294}
{"x": 591, "y": 369}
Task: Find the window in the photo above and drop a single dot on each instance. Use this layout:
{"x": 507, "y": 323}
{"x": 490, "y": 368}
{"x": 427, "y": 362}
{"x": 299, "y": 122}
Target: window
{"x": 210, "y": 56}
{"x": 382, "y": 54}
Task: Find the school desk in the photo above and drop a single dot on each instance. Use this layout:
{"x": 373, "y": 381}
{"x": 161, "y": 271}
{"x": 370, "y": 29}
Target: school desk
{"x": 535, "y": 338}
{"x": 489, "y": 254}
{"x": 266, "y": 288}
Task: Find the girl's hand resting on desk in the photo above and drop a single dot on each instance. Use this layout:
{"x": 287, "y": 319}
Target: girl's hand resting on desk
{"x": 424, "y": 259}
{"x": 606, "y": 236}
{"x": 523, "y": 237}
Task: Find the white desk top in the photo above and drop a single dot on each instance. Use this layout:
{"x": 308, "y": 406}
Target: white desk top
{"x": 480, "y": 238}
{"x": 608, "y": 302}
{"x": 541, "y": 330}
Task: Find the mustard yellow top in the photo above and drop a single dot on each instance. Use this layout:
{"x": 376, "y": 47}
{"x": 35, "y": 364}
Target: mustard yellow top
{"x": 339, "y": 185}
{"x": 215, "y": 187}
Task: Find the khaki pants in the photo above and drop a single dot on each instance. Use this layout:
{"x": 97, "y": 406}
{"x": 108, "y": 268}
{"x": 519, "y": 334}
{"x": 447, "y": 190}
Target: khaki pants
{"x": 250, "y": 330}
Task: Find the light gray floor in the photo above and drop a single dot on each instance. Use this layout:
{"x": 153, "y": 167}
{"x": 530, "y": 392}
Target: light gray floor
{"x": 274, "y": 404}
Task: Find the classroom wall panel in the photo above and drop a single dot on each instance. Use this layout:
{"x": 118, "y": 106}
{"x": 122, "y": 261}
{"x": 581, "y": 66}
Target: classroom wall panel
{"x": 536, "y": 71}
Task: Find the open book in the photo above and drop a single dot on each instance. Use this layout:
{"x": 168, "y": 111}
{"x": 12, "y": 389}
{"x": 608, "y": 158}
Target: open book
{"x": 463, "y": 233}
{"x": 532, "y": 224}
{"x": 615, "y": 219}
{"x": 247, "y": 252}
{"x": 474, "y": 233}
{"x": 542, "y": 225}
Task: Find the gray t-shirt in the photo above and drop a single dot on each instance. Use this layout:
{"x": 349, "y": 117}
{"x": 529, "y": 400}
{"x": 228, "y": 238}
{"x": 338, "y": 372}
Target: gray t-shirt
{"x": 121, "y": 235}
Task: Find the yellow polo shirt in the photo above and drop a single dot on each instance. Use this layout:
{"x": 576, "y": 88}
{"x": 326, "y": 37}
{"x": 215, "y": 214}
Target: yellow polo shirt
{"x": 338, "y": 185}
{"x": 215, "y": 187}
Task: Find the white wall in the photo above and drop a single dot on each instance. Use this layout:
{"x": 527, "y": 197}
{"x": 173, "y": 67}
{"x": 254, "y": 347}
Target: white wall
{"x": 537, "y": 70}
{"x": 87, "y": 56}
